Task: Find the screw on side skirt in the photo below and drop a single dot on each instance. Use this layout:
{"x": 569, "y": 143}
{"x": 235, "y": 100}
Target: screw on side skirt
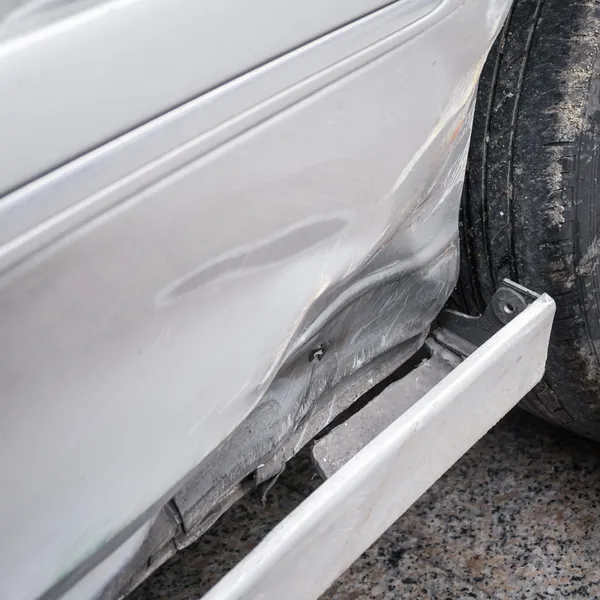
{"x": 507, "y": 304}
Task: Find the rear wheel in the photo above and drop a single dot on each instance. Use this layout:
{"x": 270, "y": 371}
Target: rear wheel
{"x": 531, "y": 206}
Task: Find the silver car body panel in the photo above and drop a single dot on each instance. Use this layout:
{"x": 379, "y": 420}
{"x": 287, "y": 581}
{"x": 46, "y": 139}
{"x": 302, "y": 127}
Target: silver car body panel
{"x": 76, "y": 74}
{"x": 156, "y": 290}
{"x": 39, "y": 212}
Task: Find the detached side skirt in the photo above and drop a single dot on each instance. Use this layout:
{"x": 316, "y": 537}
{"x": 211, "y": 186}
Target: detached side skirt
{"x": 382, "y": 459}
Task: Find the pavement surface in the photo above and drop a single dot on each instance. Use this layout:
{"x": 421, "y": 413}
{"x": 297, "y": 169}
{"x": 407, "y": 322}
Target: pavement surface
{"x": 517, "y": 517}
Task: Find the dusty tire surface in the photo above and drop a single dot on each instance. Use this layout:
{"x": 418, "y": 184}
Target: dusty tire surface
{"x": 531, "y": 206}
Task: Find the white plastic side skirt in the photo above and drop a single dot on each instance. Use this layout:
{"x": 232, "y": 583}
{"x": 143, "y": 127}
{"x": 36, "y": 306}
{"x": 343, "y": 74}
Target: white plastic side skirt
{"x": 309, "y": 549}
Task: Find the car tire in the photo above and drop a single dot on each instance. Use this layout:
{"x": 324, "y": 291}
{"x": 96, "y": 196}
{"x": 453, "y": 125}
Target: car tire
{"x": 531, "y": 205}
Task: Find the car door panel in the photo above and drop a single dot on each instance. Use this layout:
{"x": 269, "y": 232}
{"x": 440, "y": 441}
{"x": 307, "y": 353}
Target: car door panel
{"x": 148, "y": 316}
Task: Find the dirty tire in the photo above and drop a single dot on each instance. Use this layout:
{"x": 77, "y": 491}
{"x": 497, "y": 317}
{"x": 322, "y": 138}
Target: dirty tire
{"x": 531, "y": 205}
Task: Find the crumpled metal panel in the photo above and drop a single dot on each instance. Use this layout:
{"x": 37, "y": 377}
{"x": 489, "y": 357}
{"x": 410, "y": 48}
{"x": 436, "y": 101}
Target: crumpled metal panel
{"x": 388, "y": 304}
{"x": 139, "y": 342}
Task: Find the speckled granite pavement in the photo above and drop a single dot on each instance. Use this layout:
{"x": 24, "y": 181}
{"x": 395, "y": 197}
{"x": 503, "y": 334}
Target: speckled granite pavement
{"x": 517, "y": 517}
